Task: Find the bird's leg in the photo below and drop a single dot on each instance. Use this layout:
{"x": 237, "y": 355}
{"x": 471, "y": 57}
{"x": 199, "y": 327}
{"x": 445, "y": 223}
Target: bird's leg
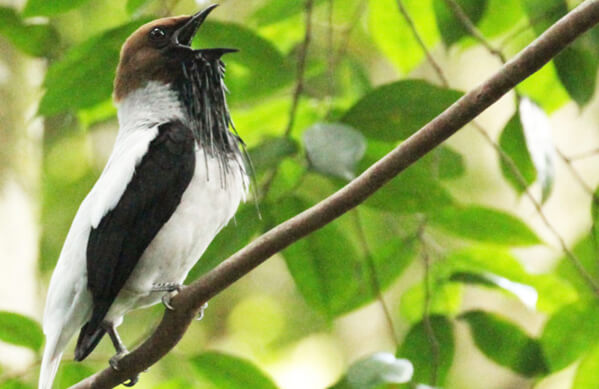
{"x": 171, "y": 289}
{"x": 121, "y": 351}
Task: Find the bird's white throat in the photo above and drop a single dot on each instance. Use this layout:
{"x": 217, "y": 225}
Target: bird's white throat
{"x": 154, "y": 103}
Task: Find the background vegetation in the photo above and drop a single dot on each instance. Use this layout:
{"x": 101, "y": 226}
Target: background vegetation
{"x": 477, "y": 267}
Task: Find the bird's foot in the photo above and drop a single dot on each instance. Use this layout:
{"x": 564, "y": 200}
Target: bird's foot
{"x": 202, "y": 309}
{"x": 171, "y": 289}
{"x": 114, "y": 363}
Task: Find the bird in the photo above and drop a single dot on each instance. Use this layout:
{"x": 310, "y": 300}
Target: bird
{"x": 176, "y": 175}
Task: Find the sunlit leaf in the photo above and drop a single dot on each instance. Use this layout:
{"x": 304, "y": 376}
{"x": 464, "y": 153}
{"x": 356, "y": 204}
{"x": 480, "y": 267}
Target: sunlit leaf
{"x": 274, "y": 11}
{"x": 444, "y": 299}
{"x": 228, "y": 372}
{"x": 134, "y": 5}
{"x": 393, "y": 35}
{"x": 451, "y": 28}
{"x": 585, "y": 251}
{"x": 20, "y": 330}
{"x": 84, "y": 76}
{"x": 485, "y": 225}
{"x": 70, "y": 373}
{"x": 395, "y": 111}
{"x": 506, "y": 343}
{"x": 513, "y": 143}
{"x": 570, "y": 333}
{"x": 334, "y": 149}
{"x": 32, "y": 39}
{"x": 430, "y": 349}
{"x": 14, "y": 384}
{"x": 256, "y": 70}
{"x": 586, "y": 374}
{"x": 500, "y": 16}
{"x": 378, "y": 369}
{"x": 50, "y": 8}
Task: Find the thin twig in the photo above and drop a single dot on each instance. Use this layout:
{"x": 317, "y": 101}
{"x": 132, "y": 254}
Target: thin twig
{"x": 299, "y": 87}
{"x": 584, "y": 155}
{"x": 190, "y": 300}
{"x": 459, "y": 13}
{"x": 421, "y": 43}
{"x": 574, "y": 172}
{"x": 374, "y": 281}
{"x": 426, "y": 316}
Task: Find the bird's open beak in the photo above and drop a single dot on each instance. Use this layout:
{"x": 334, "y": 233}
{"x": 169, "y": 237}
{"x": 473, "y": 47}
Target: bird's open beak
{"x": 184, "y": 35}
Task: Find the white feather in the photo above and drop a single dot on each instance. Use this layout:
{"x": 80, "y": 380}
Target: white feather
{"x": 205, "y": 208}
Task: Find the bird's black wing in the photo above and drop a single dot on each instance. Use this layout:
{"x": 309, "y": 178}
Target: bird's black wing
{"x": 117, "y": 243}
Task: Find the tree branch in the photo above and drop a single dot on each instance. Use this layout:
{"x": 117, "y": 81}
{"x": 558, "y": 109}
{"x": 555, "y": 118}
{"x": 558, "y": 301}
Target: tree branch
{"x": 188, "y": 302}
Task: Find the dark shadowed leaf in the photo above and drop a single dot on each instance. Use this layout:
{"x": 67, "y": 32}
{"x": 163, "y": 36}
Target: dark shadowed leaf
{"x": 537, "y": 133}
{"x": 378, "y": 369}
{"x": 84, "y": 76}
{"x": 50, "y": 8}
{"x": 417, "y": 347}
{"x": 586, "y": 374}
{"x": 229, "y": 372}
{"x": 513, "y": 143}
{"x": 595, "y": 218}
{"x": 570, "y": 333}
{"x": 20, "y": 330}
{"x": 395, "y": 111}
{"x": 485, "y": 225}
{"x": 506, "y": 343}
{"x": 233, "y": 237}
{"x": 451, "y": 28}
{"x": 32, "y": 39}
{"x": 271, "y": 152}
{"x": 256, "y": 70}
{"x": 334, "y": 149}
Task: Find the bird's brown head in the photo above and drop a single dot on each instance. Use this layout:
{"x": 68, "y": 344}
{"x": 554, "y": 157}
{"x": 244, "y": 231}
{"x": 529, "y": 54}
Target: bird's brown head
{"x": 155, "y": 51}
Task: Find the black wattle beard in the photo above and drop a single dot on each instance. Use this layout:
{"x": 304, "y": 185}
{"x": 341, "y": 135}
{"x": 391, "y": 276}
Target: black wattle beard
{"x": 203, "y": 94}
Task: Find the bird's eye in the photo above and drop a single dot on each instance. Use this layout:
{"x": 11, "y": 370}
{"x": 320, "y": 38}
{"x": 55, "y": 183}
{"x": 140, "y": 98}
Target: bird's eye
{"x": 157, "y": 34}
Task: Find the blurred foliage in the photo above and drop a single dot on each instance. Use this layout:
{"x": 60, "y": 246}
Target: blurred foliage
{"x": 416, "y": 229}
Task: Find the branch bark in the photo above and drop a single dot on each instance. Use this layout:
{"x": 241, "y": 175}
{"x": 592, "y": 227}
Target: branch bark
{"x": 188, "y": 303}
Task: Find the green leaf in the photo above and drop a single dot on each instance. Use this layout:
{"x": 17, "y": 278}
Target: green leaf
{"x": 418, "y": 346}
{"x": 585, "y": 251}
{"x": 274, "y": 11}
{"x": 33, "y": 39}
{"x": 20, "y": 330}
{"x": 500, "y": 16}
{"x": 230, "y": 239}
{"x": 84, "y": 76}
{"x": 271, "y": 152}
{"x": 537, "y": 133}
{"x": 415, "y": 190}
{"x": 393, "y": 35}
{"x": 395, "y": 111}
{"x": 257, "y": 70}
{"x": 595, "y": 218}
{"x": 570, "y": 333}
{"x": 50, "y": 8}
{"x": 506, "y": 343}
{"x": 70, "y": 373}
{"x": 525, "y": 293}
{"x": 586, "y": 374}
{"x": 379, "y": 369}
{"x": 229, "y": 372}
{"x": 513, "y": 143}
{"x": 577, "y": 70}
{"x": 14, "y": 384}
{"x": 485, "y": 225}
{"x": 134, "y": 5}
{"x": 576, "y": 65}
{"x": 334, "y": 149}
{"x": 445, "y": 299}
{"x": 452, "y": 30}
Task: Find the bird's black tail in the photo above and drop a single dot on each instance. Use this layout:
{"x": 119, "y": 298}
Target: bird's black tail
{"x": 90, "y": 335}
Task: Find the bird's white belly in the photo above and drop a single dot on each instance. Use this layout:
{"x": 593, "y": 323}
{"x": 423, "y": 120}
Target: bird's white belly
{"x": 206, "y": 207}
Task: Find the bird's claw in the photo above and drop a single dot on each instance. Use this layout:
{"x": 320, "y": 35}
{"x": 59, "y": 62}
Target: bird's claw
{"x": 114, "y": 363}
{"x": 202, "y": 309}
{"x": 171, "y": 289}
{"x": 166, "y": 301}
